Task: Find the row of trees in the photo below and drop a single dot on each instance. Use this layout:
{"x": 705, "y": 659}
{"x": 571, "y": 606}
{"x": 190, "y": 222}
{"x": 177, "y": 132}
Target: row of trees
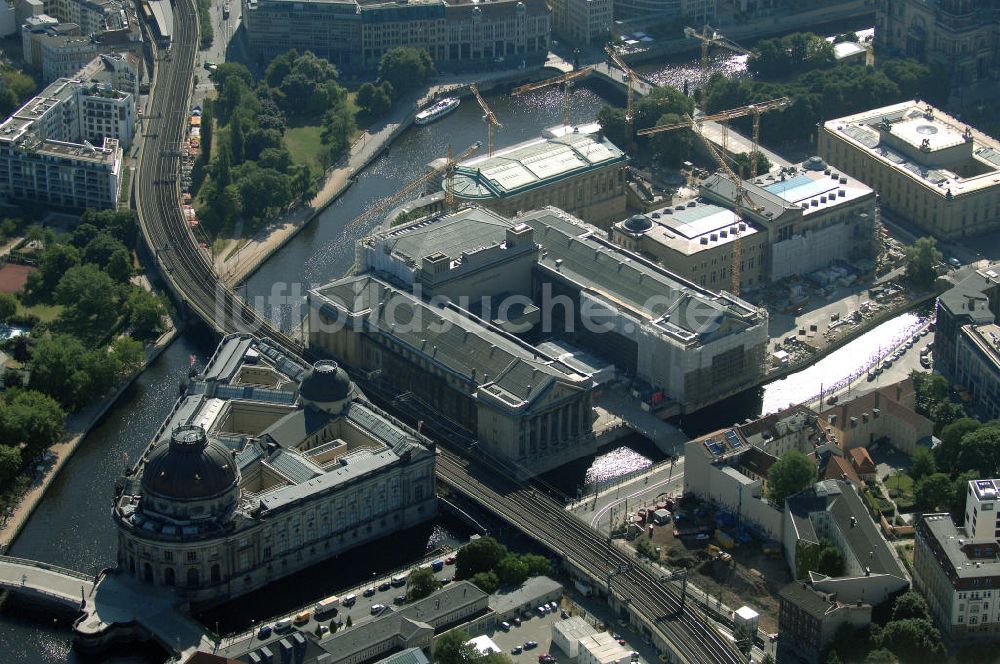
{"x": 824, "y": 93}
{"x": 401, "y": 69}
{"x": 251, "y": 173}
{"x": 790, "y": 55}
{"x": 489, "y": 565}
{"x": 908, "y": 636}
{"x": 663, "y": 105}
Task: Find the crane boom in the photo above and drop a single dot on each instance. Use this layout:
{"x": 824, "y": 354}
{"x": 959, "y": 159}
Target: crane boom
{"x": 448, "y": 168}
{"x": 632, "y": 76}
{"x": 742, "y": 111}
{"x": 709, "y": 36}
{"x": 566, "y": 80}
{"x": 491, "y": 119}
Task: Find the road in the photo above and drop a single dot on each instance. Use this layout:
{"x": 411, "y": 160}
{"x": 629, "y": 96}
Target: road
{"x": 190, "y": 275}
{"x": 612, "y": 504}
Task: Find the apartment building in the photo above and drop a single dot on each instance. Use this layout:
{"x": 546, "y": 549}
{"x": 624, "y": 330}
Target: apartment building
{"x": 65, "y": 146}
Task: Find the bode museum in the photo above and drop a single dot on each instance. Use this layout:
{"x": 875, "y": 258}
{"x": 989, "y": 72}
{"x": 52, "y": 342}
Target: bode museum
{"x": 264, "y": 467}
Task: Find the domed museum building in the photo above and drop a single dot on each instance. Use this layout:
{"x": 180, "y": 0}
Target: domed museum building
{"x": 265, "y": 467}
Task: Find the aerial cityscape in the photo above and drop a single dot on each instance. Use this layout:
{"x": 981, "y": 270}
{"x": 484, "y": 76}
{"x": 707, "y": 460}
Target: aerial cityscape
{"x": 500, "y": 331}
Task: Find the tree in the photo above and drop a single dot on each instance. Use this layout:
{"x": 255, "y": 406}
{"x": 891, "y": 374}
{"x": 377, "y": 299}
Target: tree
{"x": 119, "y": 265}
{"x": 420, "y": 583}
{"x": 922, "y": 258}
{"x": 663, "y": 100}
{"x": 406, "y": 67}
{"x": 830, "y": 561}
{"x": 145, "y": 313}
{"x": 959, "y": 486}
{"x": 930, "y": 390}
{"x": 833, "y": 658}
{"x": 912, "y": 640}
{"x": 980, "y": 451}
{"x": 934, "y": 492}
{"x": 454, "y": 648}
{"x": 880, "y": 656}
{"x": 31, "y": 418}
{"x": 99, "y": 250}
{"x": 613, "y": 124}
{"x": 537, "y": 565}
{"x": 512, "y": 570}
{"x": 374, "y": 100}
{"x": 481, "y": 555}
{"x": 923, "y": 464}
{"x": 10, "y": 464}
{"x": 488, "y": 582}
{"x": 951, "y": 438}
{"x": 672, "y": 147}
{"x": 910, "y": 604}
{"x": 348, "y": 622}
{"x": 57, "y": 259}
{"x": 8, "y": 306}
{"x": 89, "y": 298}
{"x": 337, "y": 131}
{"x": 742, "y": 162}
{"x": 54, "y": 366}
{"x": 128, "y": 356}
{"x": 792, "y": 473}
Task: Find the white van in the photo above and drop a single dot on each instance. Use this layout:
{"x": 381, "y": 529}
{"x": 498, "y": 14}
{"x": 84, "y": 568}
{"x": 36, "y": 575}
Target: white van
{"x": 283, "y": 625}
{"x": 349, "y": 600}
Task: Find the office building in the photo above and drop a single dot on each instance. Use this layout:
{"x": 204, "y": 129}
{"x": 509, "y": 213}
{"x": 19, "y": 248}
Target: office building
{"x": 264, "y": 467}
{"x": 956, "y": 37}
{"x": 355, "y": 34}
{"x": 975, "y": 300}
{"x": 582, "y": 21}
{"x": 804, "y": 220}
{"x": 958, "y": 569}
{"x": 575, "y": 169}
{"x": 928, "y": 167}
{"x": 808, "y": 619}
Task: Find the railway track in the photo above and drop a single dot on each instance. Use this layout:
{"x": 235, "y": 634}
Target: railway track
{"x": 168, "y": 235}
{"x": 544, "y": 520}
{"x": 192, "y": 278}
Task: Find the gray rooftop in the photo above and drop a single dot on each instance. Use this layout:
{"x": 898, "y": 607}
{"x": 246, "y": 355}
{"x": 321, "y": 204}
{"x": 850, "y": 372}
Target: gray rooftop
{"x": 576, "y": 252}
{"x": 532, "y": 590}
{"x": 842, "y": 502}
{"x": 471, "y": 349}
{"x": 952, "y": 540}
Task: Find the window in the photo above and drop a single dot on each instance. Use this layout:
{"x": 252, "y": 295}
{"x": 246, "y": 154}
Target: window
{"x": 168, "y": 556}
{"x": 192, "y": 556}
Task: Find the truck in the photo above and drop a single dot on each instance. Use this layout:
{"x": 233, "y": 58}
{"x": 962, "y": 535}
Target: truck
{"x": 585, "y": 589}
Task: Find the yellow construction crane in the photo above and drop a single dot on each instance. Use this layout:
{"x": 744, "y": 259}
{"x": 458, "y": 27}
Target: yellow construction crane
{"x": 566, "y": 80}
{"x": 448, "y": 168}
{"x": 723, "y": 118}
{"x": 741, "y": 201}
{"x": 632, "y": 78}
{"x": 490, "y": 119}
{"x": 709, "y": 36}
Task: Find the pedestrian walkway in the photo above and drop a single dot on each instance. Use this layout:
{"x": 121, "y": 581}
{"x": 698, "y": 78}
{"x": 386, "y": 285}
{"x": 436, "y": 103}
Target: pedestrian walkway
{"x": 615, "y": 407}
{"x": 736, "y": 143}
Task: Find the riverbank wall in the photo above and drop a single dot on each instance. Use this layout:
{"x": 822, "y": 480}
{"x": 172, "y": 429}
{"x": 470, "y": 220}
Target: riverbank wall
{"x": 770, "y": 26}
{"x": 338, "y": 179}
{"x": 78, "y": 426}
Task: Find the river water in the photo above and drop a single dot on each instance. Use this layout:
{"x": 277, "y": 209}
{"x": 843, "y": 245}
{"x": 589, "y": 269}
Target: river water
{"x": 72, "y": 525}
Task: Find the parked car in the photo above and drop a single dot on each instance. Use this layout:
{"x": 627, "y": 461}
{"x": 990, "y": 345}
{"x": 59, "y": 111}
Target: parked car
{"x": 437, "y": 565}
{"x": 701, "y": 537}
{"x": 505, "y": 626}
{"x": 516, "y": 621}
{"x": 377, "y": 609}
{"x": 368, "y": 592}
{"x": 283, "y": 625}
{"x": 385, "y": 585}
{"x": 349, "y": 600}
{"x": 264, "y": 632}
{"x": 302, "y": 618}
{"x": 399, "y": 599}
{"x": 528, "y": 645}
{"x": 516, "y": 650}
{"x": 450, "y": 560}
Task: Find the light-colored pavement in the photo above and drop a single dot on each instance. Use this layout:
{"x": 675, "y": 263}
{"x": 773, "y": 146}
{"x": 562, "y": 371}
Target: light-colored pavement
{"x": 639, "y": 491}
